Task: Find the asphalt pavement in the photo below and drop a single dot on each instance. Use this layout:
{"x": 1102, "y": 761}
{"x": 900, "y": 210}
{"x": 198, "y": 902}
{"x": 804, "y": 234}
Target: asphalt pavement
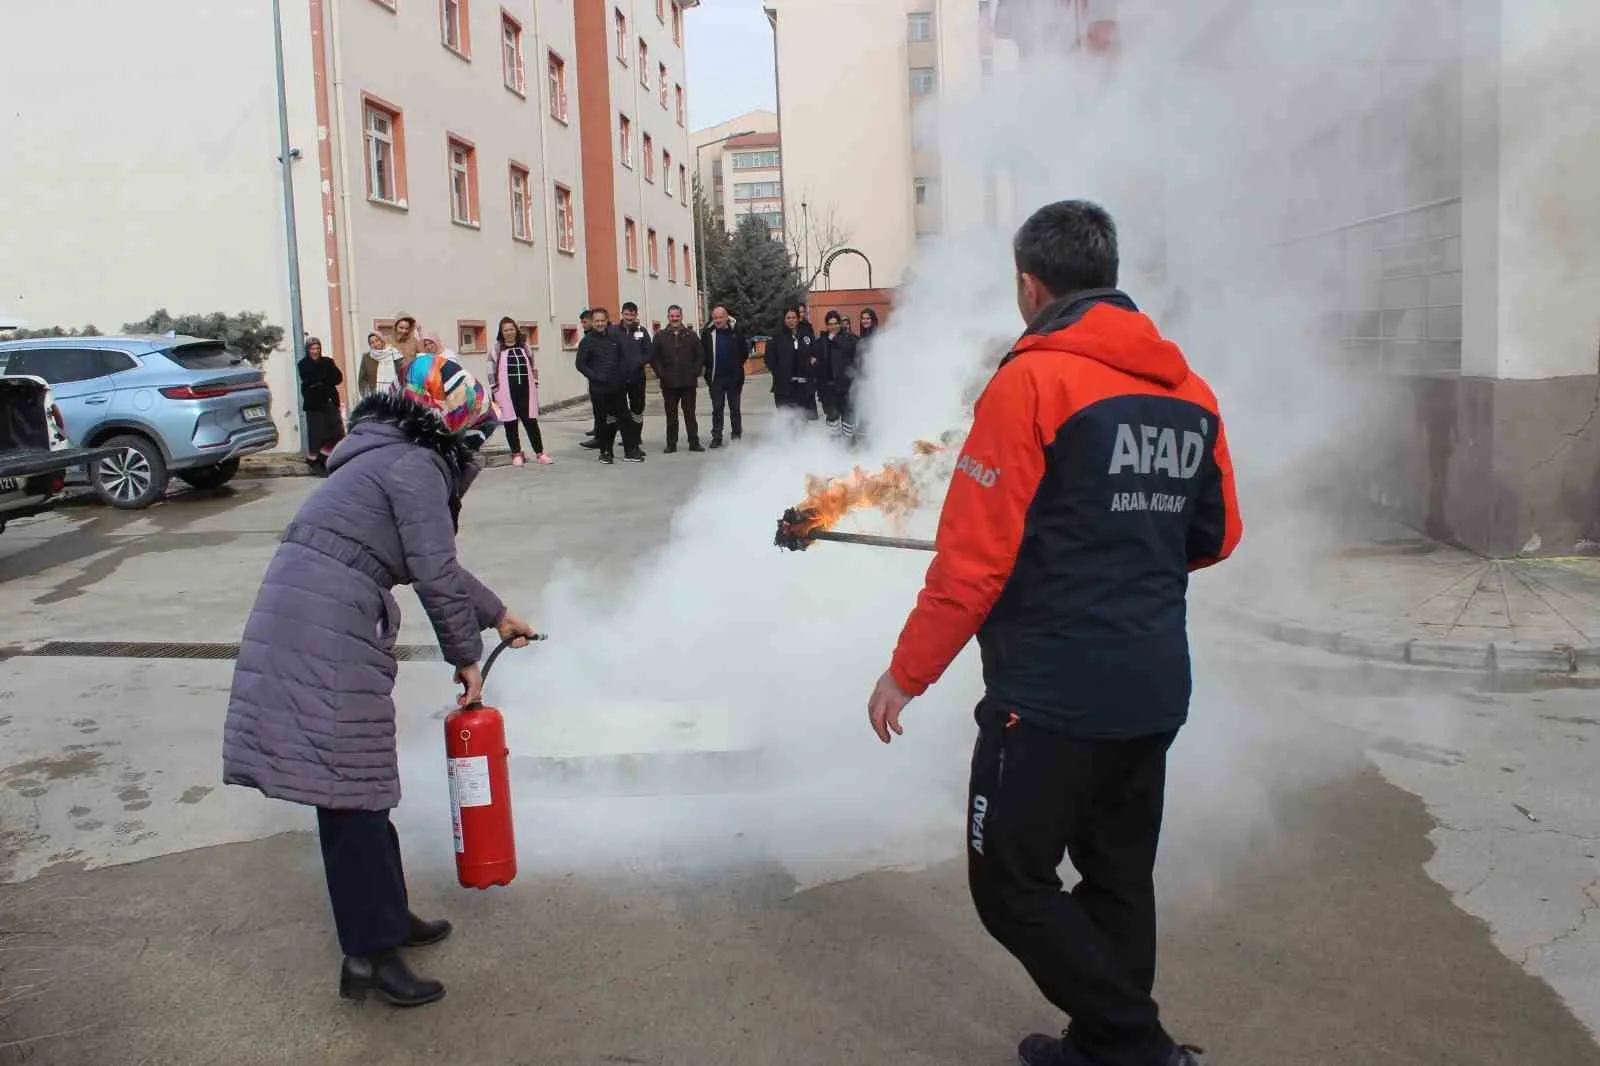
{"x": 1365, "y": 863}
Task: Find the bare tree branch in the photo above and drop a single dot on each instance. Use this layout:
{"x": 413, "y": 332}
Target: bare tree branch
{"x": 811, "y": 237}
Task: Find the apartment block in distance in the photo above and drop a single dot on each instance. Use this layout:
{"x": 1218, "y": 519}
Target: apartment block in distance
{"x": 740, "y": 163}
{"x": 455, "y": 160}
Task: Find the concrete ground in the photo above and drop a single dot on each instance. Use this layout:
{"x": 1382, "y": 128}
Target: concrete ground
{"x": 1406, "y": 870}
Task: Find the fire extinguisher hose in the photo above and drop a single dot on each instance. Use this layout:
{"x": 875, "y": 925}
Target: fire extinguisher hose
{"x": 488, "y": 664}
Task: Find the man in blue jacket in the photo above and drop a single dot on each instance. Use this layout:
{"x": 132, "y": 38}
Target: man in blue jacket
{"x": 725, "y": 348}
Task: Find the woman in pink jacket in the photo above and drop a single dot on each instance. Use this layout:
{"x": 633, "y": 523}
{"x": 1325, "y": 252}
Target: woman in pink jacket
{"x": 516, "y": 389}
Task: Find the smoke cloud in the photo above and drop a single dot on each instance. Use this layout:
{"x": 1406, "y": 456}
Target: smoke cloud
{"x": 1194, "y": 139}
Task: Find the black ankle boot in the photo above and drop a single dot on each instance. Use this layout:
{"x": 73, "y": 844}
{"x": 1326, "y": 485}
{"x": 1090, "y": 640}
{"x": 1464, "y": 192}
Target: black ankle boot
{"x": 388, "y": 975}
{"x": 423, "y": 933}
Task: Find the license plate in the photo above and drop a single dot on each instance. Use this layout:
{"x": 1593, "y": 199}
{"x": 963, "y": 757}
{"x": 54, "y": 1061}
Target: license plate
{"x": 8, "y": 484}
{"x": 255, "y": 414}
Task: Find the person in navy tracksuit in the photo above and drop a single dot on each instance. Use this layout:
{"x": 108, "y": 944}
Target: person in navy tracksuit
{"x": 1095, "y": 477}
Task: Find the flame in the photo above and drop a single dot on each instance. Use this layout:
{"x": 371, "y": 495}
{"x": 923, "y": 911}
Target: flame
{"x": 892, "y": 490}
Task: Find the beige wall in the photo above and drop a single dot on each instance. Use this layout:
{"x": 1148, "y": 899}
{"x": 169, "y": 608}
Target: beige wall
{"x": 133, "y": 185}
{"x": 417, "y": 260}
{"x": 644, "y": 201}
{"x": 847, "y": 137}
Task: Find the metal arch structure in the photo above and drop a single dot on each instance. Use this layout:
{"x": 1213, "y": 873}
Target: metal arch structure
{"x": 827, "y": 264}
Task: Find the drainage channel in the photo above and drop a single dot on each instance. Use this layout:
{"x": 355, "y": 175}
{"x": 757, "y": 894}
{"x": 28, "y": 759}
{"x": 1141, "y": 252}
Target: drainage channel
{"x": 114, "y": 649}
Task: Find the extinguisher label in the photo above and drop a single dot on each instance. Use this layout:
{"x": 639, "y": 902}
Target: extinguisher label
{"x": 469, "y": 781}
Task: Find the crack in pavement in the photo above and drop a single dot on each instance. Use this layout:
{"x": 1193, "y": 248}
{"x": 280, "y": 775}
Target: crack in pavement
{"x": 1583, "y": 920}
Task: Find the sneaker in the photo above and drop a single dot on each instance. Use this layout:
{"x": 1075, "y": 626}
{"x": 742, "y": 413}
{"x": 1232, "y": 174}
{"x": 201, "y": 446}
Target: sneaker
{"x": 696, "y": 446}
{"x": 544, "y": 459}
{"x": 1040, "y": 1049}
{"x": 669, "y": 449}
{"x": 635, "y": 456}
{"x": 590, "y": 443}
{"x": 607, "y": 458}
{"x": 518, "y": 460}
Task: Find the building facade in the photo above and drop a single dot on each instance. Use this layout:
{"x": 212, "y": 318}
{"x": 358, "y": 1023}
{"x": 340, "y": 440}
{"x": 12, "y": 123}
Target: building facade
{"x": 454, "y": 160}
{"x": 740, "y": 163}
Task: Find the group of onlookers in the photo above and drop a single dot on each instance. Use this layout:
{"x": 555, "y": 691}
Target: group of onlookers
{"x": 613, "y": 358}
{"x": 808, "y": 369}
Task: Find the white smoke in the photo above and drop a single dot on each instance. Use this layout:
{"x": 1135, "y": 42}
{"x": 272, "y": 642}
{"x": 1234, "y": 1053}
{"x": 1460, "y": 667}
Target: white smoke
{"x": 725, "y": 643}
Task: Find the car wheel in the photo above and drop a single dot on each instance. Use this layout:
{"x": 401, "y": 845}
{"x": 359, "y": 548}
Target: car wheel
{"x": 134, "y": 476}
{"x": 210, "y": 477}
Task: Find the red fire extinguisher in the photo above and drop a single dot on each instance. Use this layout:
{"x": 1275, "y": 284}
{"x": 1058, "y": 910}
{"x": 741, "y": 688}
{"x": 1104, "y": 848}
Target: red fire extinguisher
{"x": 478, "y": 763}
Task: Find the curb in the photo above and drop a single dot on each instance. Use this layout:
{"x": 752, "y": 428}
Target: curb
{"x": 1562, "y": 660}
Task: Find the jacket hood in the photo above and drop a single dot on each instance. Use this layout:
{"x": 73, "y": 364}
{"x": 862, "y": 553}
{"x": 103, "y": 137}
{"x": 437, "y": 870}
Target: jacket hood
{"x": 1105, "y": 325}
{"x": 387, "y": 418}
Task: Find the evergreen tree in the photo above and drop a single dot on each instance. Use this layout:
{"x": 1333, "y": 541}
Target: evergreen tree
{"x": 756, "y": 281}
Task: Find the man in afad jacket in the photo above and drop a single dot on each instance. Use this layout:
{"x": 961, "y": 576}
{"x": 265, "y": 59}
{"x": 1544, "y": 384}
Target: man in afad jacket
{"x": 724, "y": 350}
{"x": 676, "y": 358}
{"x": 1095, "y": 477}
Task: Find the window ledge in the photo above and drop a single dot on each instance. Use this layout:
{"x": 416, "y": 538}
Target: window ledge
{"x": 467, "y": 225}
{"x": 561, "y": 119}
{"x": 514, "y": 91}
{"x": 458, "y": 53}
{"x": 568, "y": 251}
{"x": 522, "y": 240}
{"x": 393, "y": 205}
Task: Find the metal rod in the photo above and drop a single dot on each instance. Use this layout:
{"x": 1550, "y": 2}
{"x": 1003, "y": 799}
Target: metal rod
{"x": 876, "y": 542}
{"x": 286, "y": 164}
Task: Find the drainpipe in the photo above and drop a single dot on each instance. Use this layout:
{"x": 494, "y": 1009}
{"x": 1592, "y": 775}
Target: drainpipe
{"x": 638, "y": 174}
{"x": 286, "y": 158}
{"x": 546, "y": 189}
{"x": 341, "y": 179}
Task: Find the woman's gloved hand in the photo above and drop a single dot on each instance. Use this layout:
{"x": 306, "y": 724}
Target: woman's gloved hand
{"x": 515, "y": 630}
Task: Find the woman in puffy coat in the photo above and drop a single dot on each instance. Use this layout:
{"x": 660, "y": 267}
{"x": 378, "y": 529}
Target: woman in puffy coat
{"x": 311, "y": 718}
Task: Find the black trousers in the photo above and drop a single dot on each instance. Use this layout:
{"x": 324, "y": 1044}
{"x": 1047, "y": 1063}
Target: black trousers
{"x": 535, "y": 438}
{"x": 726, "y": 394}
{"x": 1037, "y": 797}
{"x": 830, "y": 407}
{"x": 636, "y": 396}
{"x": 366, "y": 881}
{"x": 680, "y": 400}
{"x": 611, "y": 414}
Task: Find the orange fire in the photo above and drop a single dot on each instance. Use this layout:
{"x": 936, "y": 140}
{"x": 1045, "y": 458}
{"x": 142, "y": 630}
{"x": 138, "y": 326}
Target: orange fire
{"x": 892, "y": 490}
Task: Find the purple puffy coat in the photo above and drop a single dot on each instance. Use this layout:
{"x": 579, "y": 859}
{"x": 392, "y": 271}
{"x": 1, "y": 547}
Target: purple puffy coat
{"x": 310, "y": 718}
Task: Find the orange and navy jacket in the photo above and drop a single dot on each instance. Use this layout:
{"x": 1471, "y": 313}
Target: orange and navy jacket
{"x": 1094, "y": 479}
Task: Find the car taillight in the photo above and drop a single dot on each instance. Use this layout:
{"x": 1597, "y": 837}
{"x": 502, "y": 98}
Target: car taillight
{"x": 205, "y": 392}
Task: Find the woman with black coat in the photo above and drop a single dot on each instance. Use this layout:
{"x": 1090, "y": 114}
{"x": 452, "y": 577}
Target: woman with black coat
{"x": 793, "y": 366}
{"x": 320, "y": 379}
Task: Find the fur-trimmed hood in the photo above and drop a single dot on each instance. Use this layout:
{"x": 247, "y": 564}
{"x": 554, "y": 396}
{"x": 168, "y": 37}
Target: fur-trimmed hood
{"x": 387, "y": 418}
{"x": 417, "y": 422}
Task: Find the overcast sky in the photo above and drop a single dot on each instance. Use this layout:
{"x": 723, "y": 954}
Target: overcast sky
{"x": 730, "y": 61}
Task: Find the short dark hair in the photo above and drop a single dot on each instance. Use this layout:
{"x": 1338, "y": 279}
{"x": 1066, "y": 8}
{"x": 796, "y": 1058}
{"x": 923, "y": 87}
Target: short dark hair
{"x": 599, "y": 311}
{"x": 831, "y": 316}
{"x": 631, "y": 306}
{"x": 587, "y": 312}
{"x": 674, "y": 307}
{"x": 1069, "y": 246}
